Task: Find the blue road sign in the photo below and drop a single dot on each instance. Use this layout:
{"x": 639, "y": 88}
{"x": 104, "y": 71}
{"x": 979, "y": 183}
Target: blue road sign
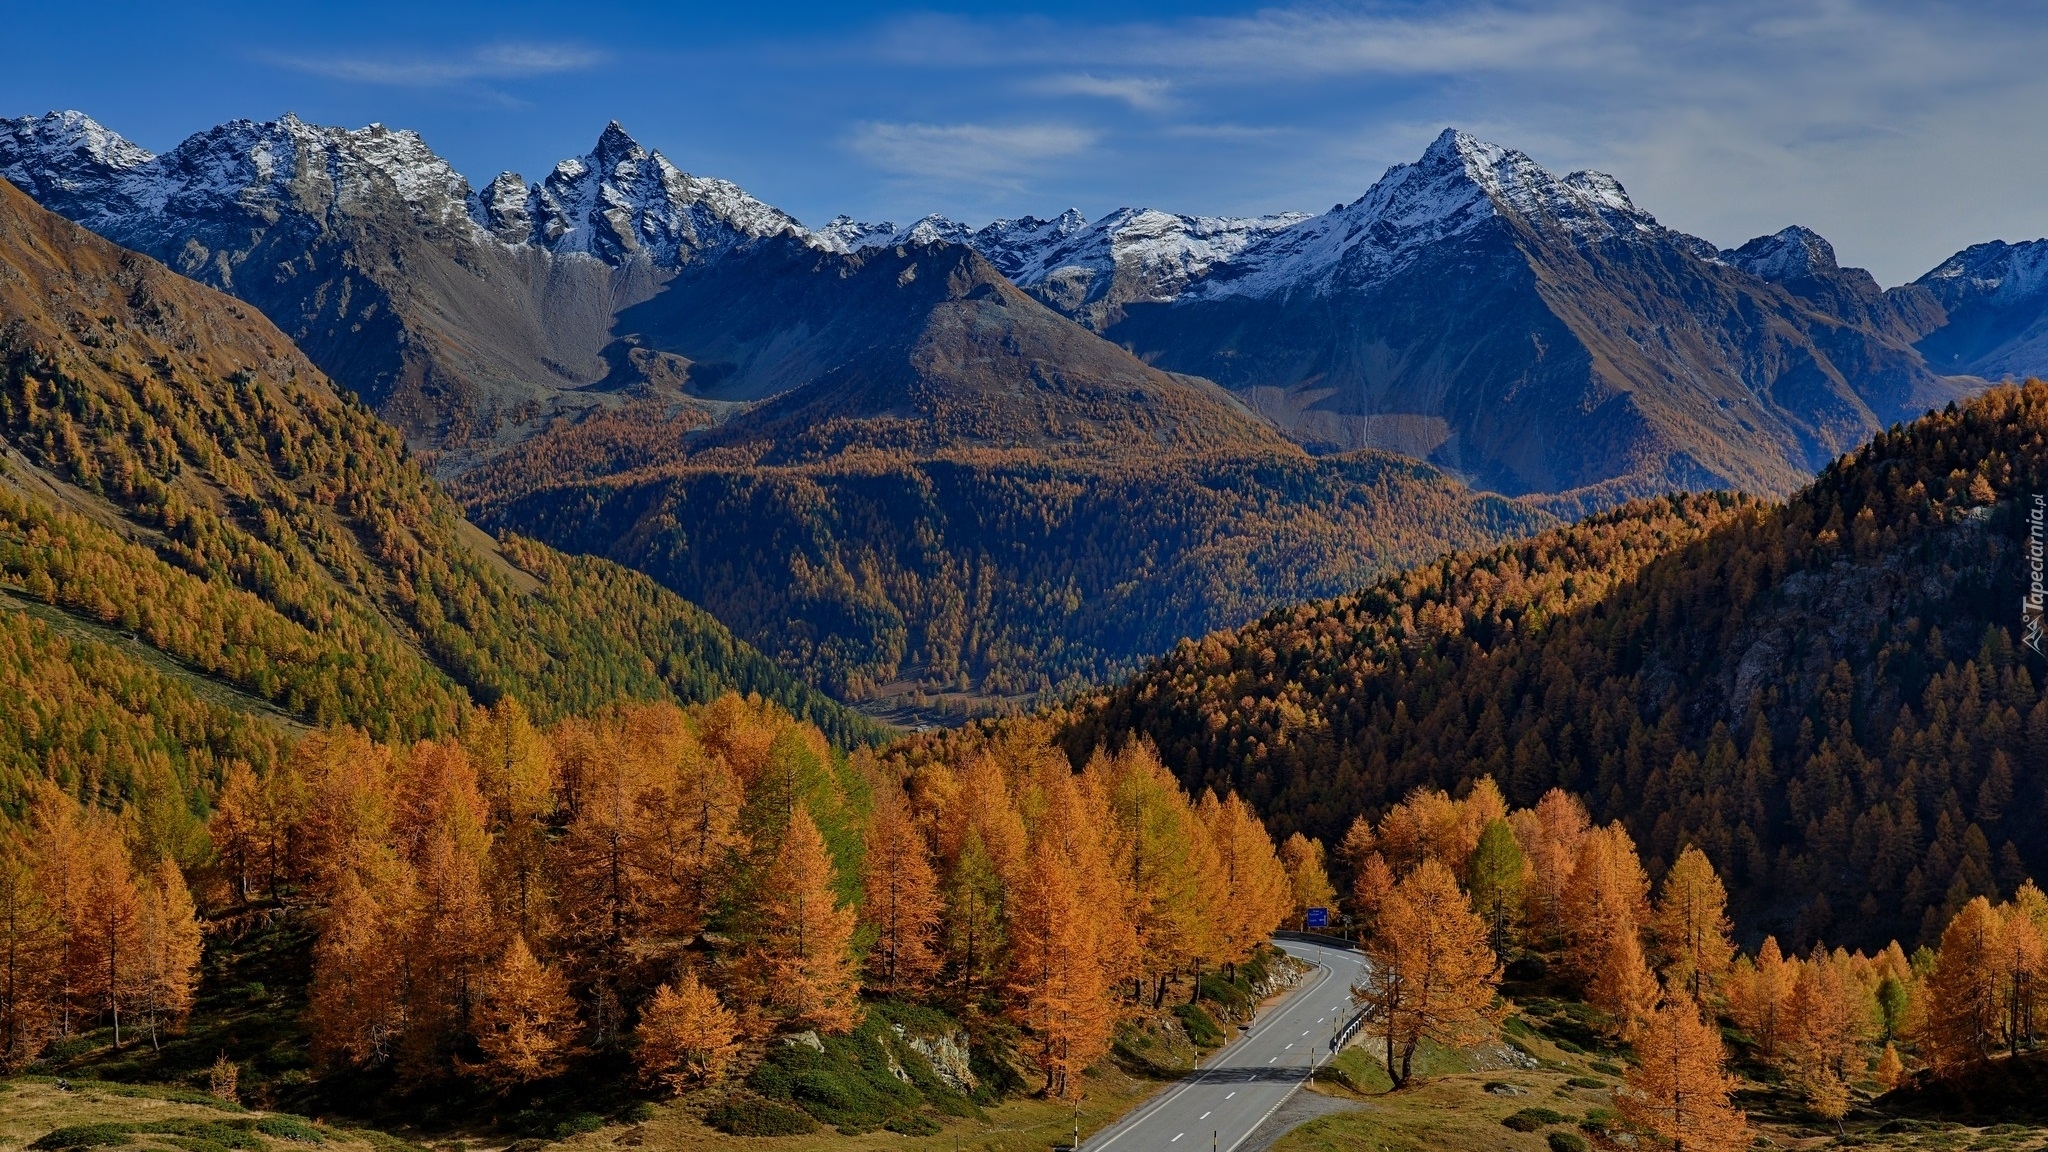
{"x": 1319, "y": 917}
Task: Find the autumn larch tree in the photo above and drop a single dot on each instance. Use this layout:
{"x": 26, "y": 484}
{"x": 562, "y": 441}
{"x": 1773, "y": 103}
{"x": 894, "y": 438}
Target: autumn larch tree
{"x": 31, "y": 949}
{"x": 1624, "y": 987}
{"x": 1759, "y": 992}
{"x": 1158, "y": 852}
{"x": 1608, "y": 896}
{"x": 685, "y": 1035}
{"x": 107, "y": 950}
{"x": 1256, "y": 897}
{"x": 1058, "y": 988}
{"x": 171, "y": 941}
{"x": 1678, "y": 1092}
{"x": 1432, "y": 975}
{"x": 1307, "y": 876}
{"x": 1691, "y": 926}
{"x": 524, "y": 1023}
{"x": 902, "y": 902}
{"x": 1965, "y": 1016}
{"x": 355, "y": 1005}
{"x": 808, "y": 965}
{"x": 1551, "y": 835}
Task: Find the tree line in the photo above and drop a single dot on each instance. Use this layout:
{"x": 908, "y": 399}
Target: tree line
{"x": 1825, "y": 694}
{"x": 1446, "y": 890}
{"x": 674, "y": 882}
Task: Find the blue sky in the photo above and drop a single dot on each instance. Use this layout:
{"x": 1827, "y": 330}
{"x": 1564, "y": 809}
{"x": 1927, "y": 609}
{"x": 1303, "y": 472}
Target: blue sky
{"x": 1900, "y": 131}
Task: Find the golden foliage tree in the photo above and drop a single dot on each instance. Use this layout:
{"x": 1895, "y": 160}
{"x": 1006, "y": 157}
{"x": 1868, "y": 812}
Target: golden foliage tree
{"x": 1550, "y": 835}
{"x": 1758, "y": 994}
{"x": 1432, "y": 975}
{"x": 685, "y": 1035}
{"x": 356, "y": 1005}
{"x": 1256, "y": 896}
{"x": 1624, "y": 987}
{"x": 1308, "y": 878}
{"x": 172, "y": 941}
{"x": 1691, "y": 926}
{"x": 806, "y": 960}
{"x": 525, "y": 1023}
{"x": 1608, "y": 897}
{"x": 31, "y": 951}
{"x": 1678, "y": 1092}
{"x": 902, "y": 902}
{"x": 1965, "y": 1002}
{"x": 1060, "y": 993}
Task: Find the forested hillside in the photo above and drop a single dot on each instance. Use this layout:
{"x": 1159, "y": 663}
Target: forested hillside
{"x": 175, "y": 471}
{"x": 1829, "y": 696}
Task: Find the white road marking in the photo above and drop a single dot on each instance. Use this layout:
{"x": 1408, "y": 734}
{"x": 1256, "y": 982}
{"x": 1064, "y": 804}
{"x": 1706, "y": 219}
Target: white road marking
{"x": 1176, "y": 1137}
{"x": 1290, "y": 1045}
{"x": 1304, "y": 1031}
{"x": 1270, "y": 1059}
{"x": 1205, "y": 1115}
{"x": 1228, "y": 1097}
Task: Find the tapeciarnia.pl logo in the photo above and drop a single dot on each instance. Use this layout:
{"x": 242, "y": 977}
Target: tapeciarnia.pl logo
{"x": 2037, "y": 559}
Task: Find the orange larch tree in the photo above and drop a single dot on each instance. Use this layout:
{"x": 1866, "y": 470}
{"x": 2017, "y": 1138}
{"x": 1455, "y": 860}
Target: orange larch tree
{"x": 1965, "y": 1018}
{"x": 172, "y": 941}
{"x": 525, "y": 1022}
{"x": 1759, "y": 992}
{"x": 1432, "y": 974}
{"x": 1691, "y": 926}
{"x": 1551, "y": 835}
{"x": 807, "y": 964}
{"x": 685, "y": 1035}
{"x": 1608, "y": 896}
{"x": 1678, "y": 1092}
{"x": 1057, "y": 986}
{"x": 902, "y": 902}
{"x": 31, "y": 951}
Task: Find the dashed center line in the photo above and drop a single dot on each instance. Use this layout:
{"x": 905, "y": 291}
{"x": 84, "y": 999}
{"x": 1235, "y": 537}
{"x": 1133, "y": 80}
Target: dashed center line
{"x": 1205, "y": 1115}
{"x": 1269, "y": 1060}
{"x": 1176, "y": 1137}
{"x": 1228, "y": 1097}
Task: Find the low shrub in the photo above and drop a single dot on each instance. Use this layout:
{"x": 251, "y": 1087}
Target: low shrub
{"x": 1530, "y": 1119}
{"x": 1567, "y": 1142}
{"x": 1586, "y": 1082}
{"x": 913, "y": 1124}
{"x": 1600, "y": 1121}
{"x": 756, "y": 1117}
{"x": 1202, "y": 1028}
{"x": 1605, "y": 1068}
{"x": 290, "y": 1128}
{"x": 83, "y": 1136}
{"x": 578, "y": 1124}
{"x": 1565, "y": 1045}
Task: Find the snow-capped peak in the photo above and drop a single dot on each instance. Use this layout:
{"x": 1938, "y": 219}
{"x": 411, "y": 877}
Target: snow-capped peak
{"x": 2006, "y": 273}
{"x": 622, "y": 203}
{"x": 845, "y": 234}
{"x": 1458, "y": 184}
{"x": 1789, "y": 254}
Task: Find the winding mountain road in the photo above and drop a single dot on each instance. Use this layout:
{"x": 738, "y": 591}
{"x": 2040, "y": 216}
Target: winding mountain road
{"x": 1224, "y": 1101}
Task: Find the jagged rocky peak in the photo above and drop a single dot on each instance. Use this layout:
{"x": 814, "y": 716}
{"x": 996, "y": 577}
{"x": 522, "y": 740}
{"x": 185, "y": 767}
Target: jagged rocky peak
{"x": 70, "y": 141}
{"x": 1996, "y": 270}
{"x": 1794, "y": 253}
{"x": 1459, "y": 184}
{"x": 622, "y": 203}
{"x": 501, "y": 208}
{"x": 845, "y": 234}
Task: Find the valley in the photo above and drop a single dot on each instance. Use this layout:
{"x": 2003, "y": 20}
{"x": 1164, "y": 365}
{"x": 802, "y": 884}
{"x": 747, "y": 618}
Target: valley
{"x": 594, "y": 661}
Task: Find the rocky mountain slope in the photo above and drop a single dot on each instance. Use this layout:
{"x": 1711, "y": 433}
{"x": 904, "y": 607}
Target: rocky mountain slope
{"x": 173, "y": 469}
{"x": 1834, "y": 696}
{"x": 946, "y": 490}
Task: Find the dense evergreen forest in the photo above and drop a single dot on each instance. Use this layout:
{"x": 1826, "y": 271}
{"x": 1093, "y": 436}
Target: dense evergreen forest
{"x": 1828, "y": 696}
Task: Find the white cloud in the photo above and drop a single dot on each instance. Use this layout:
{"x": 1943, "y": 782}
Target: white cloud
{"x": 492, "y": 62}
{"x": 969, "y": 154}
{"x": 1146, "y": 94}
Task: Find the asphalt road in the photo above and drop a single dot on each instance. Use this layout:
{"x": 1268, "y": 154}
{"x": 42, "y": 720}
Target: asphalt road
{"x": 1223, "y": 1102}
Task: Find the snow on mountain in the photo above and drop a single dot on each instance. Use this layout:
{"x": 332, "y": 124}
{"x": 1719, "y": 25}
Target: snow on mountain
{"x": 74, "y": 165}
{"x": 1999, "y": 272}
{"x": 1790, "y": 254}
{"x": 845, "y": 234}
{"x": 621, "y": 202}
{"x": 1459, "y": 184}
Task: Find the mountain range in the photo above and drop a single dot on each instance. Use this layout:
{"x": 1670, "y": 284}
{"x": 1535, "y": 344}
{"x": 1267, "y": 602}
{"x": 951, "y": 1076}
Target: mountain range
{"x": 935, "y": 458}
{"x": 1531, "y": 333}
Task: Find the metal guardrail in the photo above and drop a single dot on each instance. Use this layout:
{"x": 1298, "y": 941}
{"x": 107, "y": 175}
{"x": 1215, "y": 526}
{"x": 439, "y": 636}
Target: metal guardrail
{"x": 1328, "y": 940}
